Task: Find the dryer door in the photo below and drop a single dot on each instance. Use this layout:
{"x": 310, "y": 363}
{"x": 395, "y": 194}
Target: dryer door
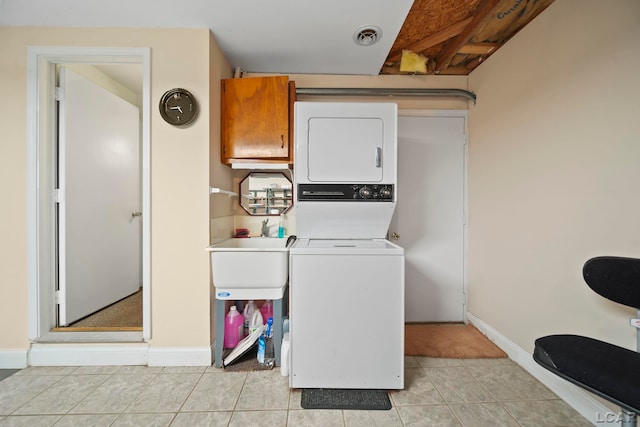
{"x": 345, "y": 149}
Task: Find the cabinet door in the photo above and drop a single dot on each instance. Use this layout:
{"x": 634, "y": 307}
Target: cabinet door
{"x": 255, "y": 118}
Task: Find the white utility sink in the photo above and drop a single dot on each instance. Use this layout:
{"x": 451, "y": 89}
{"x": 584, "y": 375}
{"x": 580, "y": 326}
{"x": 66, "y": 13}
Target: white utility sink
{"x": 250, "y": 268}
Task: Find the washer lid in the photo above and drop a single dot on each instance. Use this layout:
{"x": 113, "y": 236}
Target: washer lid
{"x": 346, "y": 243}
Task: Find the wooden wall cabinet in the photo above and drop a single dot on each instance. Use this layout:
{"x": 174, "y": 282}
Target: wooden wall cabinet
{"x": 257, "y": 117}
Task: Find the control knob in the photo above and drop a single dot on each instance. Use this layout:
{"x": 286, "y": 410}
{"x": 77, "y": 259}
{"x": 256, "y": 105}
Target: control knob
{"x": 385, "y": 192}
{"x": 365, "y": 192}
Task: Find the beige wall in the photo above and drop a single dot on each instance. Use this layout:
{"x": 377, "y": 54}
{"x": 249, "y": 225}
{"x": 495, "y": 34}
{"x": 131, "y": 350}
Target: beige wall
{"x": 554, "y": 175}
{"x": 221, "y": 205}
{"x": 179, "y": 177}
{"x": 179, "y": 197}
{"x": 219, "y": 174}
{"x": 13, "y": 218}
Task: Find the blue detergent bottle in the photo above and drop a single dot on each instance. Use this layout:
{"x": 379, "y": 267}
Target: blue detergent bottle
{"x": 266, "y": 355}
{"x": 281, "y": 227}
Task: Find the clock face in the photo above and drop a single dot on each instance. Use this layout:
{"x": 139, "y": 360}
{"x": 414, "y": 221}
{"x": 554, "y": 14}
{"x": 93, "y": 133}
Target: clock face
{"x": 178, "y": 107}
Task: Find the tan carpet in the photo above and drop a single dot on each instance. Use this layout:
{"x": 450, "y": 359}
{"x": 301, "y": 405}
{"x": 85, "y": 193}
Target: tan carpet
{"x": 126, "y": 313}
{"x": 454, "y": 341}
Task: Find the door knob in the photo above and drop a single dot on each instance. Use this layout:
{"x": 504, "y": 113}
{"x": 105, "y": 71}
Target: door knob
{"x": 395, "y": 236}
{"x": 135, "y": 214}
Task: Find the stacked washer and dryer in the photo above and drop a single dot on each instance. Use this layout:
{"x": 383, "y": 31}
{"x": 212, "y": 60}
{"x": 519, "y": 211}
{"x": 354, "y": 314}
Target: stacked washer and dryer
{"x": 346, "y": 280}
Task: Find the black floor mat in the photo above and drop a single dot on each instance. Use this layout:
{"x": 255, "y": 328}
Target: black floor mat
{"x": 331, "y": 398}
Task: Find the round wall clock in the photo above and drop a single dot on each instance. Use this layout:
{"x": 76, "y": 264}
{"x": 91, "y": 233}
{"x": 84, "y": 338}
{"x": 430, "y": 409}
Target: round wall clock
{"x": 178, "y": 107}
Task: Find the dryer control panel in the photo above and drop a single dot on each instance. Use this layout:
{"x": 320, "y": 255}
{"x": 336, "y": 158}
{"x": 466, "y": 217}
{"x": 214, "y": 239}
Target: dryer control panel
{"x": 345, "y": 192}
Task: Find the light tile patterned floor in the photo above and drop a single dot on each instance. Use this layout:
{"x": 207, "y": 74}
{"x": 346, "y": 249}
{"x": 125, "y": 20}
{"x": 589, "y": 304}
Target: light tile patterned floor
{"x": 442, "y": 392}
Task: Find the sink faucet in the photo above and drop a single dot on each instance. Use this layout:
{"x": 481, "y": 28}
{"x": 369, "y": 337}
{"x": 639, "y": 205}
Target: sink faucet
{"x": 265, "y": 228}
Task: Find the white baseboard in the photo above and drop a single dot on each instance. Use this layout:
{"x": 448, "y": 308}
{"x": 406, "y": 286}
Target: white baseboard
{"x": 577, "y": 398}
{"x": 99, "y": 354}
{"x": 90, "y": 354}
{"x": 14, "y": 359}
{"x": 180, "y": 356}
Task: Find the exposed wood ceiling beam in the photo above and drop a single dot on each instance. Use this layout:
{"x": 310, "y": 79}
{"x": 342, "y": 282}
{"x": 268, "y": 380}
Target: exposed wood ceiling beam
{"x": 432, "y": 40}
{"x": 482, "y": 15}
{"x": 478, "y": 48}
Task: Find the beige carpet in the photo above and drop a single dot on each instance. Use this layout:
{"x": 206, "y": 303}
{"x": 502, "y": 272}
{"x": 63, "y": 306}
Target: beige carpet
{"x": 452, "y": 341}
{"x": 126, "y": 313}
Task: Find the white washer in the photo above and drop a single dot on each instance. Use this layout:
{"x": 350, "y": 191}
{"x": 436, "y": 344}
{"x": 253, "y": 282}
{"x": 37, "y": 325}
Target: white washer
{"x": 347, "y": 314}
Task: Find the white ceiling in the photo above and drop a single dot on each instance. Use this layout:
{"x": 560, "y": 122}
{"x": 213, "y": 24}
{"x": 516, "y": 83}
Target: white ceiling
{"x": 268, "y": 36}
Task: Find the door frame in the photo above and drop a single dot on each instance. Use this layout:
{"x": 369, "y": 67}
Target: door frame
{"x": 465, "y": 181}
{"x": 41, "y": 158}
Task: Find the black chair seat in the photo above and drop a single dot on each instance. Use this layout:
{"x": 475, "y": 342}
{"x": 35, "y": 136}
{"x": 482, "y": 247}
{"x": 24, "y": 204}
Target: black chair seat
{"x": 607, "y": 370}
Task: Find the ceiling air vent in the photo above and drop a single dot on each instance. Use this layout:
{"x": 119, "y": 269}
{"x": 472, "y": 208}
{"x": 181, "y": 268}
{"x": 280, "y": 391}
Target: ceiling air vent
{"x": 367, "y": 35}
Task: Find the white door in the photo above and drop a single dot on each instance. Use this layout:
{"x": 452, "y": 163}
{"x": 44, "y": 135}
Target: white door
{"x": 99, "y": 230}
{"x": 429, "y": 216}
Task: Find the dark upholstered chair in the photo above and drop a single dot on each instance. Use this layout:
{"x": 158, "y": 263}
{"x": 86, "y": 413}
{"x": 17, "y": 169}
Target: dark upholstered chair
{"x": 607, "y": 370}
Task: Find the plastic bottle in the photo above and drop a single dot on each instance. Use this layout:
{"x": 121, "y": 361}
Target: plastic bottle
{"x": 284, "y": 355}
{"x": 266, "y": 355}
{"x": 281, "y": 227}
{"x": 267, "y": 311}
{"x": 247, "y": 314}
{"x": 256, "y": 321}
{"x": 261, "y": 348}
{"x": 239, "y": 305}
{"x": 233, "y": 328}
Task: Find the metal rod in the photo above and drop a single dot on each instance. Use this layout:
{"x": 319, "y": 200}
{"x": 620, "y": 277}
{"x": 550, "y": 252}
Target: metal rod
{"x": 459, "y": 93}
{"x": 216, "y": 190}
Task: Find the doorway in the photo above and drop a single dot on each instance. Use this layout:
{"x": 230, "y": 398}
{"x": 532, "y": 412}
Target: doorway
{"x": 429, "y": 220}
{"x": 44, "y": 194}
{"x": 98, "y": 195}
